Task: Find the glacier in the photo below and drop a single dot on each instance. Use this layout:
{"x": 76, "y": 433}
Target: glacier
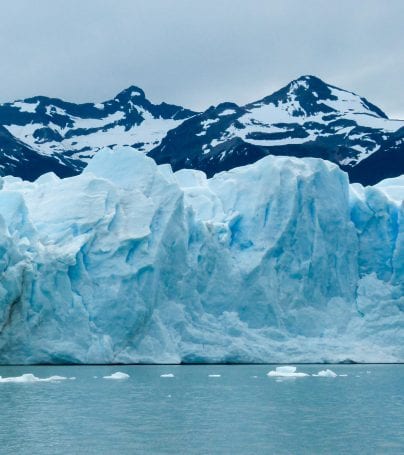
{"x": 129, "y": 262}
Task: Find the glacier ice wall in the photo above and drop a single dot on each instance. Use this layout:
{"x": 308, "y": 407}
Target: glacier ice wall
{"x": 278, "y": 261}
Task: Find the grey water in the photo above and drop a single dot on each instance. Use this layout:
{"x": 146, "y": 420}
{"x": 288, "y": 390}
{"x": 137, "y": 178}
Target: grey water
{"x": 241, "y": 412}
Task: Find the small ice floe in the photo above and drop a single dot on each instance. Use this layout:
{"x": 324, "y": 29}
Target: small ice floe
{"x": 117, "y": 375}
{"x": 343, "y": 375}
{"x": 368, "y": 372}
{"x": 255, "y": 377}
{"x": 72, "y": 378}
{"x": 326, "y": 374}
{"x": 50, "y": 379}
{"x": 166, "y": 375}
{"x": 30, "y": 378}
{"x": 214, "y": 375}
{"x": 286, "y": 372}
{"x": 95, "y": 377}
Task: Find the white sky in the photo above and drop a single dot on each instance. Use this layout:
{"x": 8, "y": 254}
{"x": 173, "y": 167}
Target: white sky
{"x": 200, "y": 52}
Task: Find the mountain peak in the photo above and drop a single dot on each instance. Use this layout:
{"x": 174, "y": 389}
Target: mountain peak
{"x": 309, "y": 95}
{"x": 309, "y": 80}
{"x": 310, "y": 85}
{"x": 130, "y": 93}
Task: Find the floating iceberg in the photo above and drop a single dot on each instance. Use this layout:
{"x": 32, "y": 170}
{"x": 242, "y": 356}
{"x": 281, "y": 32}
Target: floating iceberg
{"x": 29, "y": 377}
{"x": 286, "y": 372}
{"x": 167, "y": 375}
{"x": 326, "y": 374}
{"x": 214, "y": 375}
{"x": 278, "y": 261}
{"x": 117, "y": 375}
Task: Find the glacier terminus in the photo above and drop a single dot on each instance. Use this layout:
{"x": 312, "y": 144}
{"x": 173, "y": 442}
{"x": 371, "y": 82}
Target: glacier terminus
{"x": 281, "y": 260}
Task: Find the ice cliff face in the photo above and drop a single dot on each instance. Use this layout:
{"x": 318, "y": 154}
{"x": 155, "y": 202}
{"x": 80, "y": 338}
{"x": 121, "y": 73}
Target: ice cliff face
{"x": 281, "y": 260}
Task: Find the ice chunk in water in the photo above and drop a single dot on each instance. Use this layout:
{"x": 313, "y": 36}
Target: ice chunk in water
{"x": 117, "y": 375}
{"x": 286, "y": 372}
{"x": 326, "y": 374}
{"x": 167, "y": 375}
{"x": 52, "y": 378}
{"x": 214, "y": 375}
{"x": 29, "y": 378}
{"x": 286, "y": 369}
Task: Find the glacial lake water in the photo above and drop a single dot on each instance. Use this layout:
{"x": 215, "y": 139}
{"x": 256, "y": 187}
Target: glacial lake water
{"x": 242, "y": 411}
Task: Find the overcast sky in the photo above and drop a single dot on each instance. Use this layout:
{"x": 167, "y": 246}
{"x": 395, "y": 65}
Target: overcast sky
{"x": 200, "y": 52}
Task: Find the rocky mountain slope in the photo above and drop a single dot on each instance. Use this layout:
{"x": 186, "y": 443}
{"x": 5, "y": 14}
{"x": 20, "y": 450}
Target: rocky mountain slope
{"x": 43, "y": 134}
{"x": 306, "y": 118}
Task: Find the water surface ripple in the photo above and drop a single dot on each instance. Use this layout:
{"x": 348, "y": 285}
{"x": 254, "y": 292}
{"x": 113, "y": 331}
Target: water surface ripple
{"x": 193, "y": 410}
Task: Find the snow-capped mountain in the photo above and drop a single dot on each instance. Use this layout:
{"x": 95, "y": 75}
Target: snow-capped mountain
{"x": 19, "y": 159}
{"x": 305, "y": 118}
{"x": 48, "y": 134}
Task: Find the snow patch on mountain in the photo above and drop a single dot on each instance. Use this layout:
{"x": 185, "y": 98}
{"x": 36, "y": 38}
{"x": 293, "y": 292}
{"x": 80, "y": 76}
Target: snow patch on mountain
{"x": 26, "y": 106}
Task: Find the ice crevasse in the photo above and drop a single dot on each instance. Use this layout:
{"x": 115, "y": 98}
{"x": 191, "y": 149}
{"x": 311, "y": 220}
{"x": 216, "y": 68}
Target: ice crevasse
{"x": 278, "y": 261}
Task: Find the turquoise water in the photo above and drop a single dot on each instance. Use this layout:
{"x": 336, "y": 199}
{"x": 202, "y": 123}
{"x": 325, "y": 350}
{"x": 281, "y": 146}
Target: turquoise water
{"x": 241, "y": 412}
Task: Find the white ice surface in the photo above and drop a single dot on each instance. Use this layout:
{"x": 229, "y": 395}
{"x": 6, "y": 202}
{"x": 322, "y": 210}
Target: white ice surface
{"x": 286, "y": 372}
{"x": 326, "y": 374}
{"x": 117, "y": 375}
{"x": 278, "y": 261}
{"x": 29, "y": 378}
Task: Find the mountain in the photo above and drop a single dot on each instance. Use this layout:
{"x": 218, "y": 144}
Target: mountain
{"x": 305, "y": 118}
{"x": 19, "y": 159}
{"x": 278, "y": 261}
{"x": 47, "y": 134}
